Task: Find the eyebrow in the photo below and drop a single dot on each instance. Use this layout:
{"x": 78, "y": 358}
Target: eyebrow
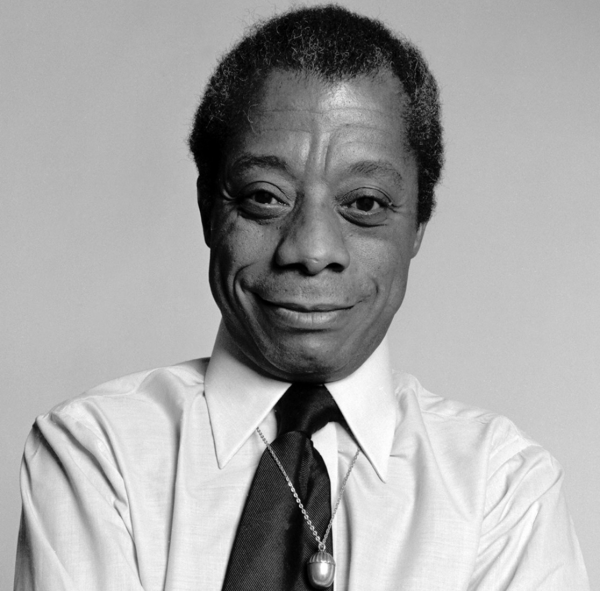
{"x": 369, "y": 168}
{"x": 247, "y": 161}
{"x": 372, "y": 168}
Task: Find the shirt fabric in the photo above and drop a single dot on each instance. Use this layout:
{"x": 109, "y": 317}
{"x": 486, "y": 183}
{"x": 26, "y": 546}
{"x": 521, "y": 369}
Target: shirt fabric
{"x": 140, "y": 484}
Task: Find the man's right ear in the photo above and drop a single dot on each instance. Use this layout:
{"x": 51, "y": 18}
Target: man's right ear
{"x": 204, "y": 205}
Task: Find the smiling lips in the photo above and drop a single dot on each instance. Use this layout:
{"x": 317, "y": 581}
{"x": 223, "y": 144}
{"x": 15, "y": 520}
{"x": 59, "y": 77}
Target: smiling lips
{"x": 307, "y": 316}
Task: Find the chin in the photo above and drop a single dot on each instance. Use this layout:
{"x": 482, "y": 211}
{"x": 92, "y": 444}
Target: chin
{"x": 307, "y": 364}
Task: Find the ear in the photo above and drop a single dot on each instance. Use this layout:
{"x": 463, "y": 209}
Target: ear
{"x": 205, "y": 214}
{"x": 418, "y": 239}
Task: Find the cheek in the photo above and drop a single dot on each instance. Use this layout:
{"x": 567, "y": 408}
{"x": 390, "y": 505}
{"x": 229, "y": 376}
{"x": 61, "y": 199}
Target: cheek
{"x": 391, "y": 282}
{"x": 238, "y": 248}
{"x": 385, "y": 263}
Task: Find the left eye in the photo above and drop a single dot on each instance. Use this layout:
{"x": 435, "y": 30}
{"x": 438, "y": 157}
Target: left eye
{"x": 366, "y": 204}
{"x": 366, "y": 207}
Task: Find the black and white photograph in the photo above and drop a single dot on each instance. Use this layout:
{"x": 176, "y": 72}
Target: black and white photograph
{"x": 300, "y": 296}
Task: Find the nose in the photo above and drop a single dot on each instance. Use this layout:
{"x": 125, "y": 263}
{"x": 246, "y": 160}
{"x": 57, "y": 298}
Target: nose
{"x": 313, "y": 239}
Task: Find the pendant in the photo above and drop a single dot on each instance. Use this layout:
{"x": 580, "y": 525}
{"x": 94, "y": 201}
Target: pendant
{"x": 321, "y": 570}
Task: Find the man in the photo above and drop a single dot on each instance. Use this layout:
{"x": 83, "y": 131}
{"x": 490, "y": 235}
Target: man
{"x": 318, "y": 144}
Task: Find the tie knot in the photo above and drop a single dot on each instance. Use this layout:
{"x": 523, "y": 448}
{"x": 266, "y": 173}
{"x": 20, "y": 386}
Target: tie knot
{"x": 306, "y": 408}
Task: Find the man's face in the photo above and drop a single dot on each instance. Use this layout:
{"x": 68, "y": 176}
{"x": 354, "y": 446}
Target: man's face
{"x": 314, "y": 228}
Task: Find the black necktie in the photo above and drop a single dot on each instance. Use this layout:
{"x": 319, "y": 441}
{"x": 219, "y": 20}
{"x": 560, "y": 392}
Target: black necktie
{"x": 273, "y": 541}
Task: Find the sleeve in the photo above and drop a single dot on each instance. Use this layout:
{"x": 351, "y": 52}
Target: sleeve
{"x": 527, "y": 541}
{"x": 75, "y": 529}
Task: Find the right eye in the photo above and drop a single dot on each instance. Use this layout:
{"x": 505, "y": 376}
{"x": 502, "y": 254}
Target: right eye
{"x": 262, "y": 202}
{"x": 262, "y": 197}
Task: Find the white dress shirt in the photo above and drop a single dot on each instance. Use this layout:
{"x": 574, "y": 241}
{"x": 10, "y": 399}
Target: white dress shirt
{"x": 140, "y": 484}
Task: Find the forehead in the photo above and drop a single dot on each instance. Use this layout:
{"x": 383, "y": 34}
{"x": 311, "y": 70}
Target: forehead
{"x": 299, "y": 113}
{"x": 284, "y": 89}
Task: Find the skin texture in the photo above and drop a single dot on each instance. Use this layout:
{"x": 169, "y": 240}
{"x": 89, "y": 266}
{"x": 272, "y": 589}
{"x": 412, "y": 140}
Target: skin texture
{"x": 314, "y": 228}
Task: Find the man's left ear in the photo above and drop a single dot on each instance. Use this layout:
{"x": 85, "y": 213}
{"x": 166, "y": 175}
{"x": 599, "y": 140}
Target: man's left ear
{"x": 205, "y": 214}
{"x": 418, "y": 239}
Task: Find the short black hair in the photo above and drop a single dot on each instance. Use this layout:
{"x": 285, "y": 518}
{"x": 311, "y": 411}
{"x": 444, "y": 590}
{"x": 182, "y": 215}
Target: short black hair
{"x": 334, "y": 44}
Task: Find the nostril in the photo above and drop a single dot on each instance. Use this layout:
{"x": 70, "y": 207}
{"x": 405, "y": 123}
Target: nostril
{"x": 314, "y": 266}
{"x": 336, "y": 267}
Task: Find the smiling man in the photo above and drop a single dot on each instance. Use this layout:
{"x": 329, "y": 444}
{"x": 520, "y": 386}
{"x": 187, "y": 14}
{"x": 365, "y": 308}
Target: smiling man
{"x": 316, "y": 224}
{"x": 295, "y": 458}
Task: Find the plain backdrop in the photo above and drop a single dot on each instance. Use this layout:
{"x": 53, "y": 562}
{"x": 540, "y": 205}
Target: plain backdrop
{"x": 104, "y": 267}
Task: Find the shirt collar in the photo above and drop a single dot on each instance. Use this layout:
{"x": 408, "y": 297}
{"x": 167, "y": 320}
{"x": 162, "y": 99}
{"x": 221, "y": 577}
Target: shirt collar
{"x": 239, "y": 399}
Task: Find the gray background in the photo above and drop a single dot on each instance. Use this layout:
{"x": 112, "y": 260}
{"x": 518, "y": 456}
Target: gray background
{"x": 104, "y": 268}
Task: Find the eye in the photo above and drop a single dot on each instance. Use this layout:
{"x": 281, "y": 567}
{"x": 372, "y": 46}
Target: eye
{"x": 365, "y": 204}
{"x": 262, "y": 197}
{"x": 262, "y": 201}
{"x": 367, "y": 207}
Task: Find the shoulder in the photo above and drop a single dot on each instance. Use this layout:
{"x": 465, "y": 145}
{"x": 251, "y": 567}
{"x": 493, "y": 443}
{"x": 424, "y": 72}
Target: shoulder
{"x": 468, "y": 434}
{"x": 170, "y": 382}
{"x": 508, "y": 484}
{"x": 142, "y": 400}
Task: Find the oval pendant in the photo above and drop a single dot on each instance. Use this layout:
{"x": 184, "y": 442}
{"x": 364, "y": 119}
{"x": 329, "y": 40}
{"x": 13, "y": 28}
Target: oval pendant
{"x": 321, "y": 570}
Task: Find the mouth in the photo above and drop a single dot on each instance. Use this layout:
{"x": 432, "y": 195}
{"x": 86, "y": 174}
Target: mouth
{"x": 307, "y": 308}
{"x": 313, "y": 316}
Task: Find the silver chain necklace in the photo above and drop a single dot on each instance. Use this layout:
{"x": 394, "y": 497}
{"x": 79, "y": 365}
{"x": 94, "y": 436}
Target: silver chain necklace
{"x": 321, "y": 565}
